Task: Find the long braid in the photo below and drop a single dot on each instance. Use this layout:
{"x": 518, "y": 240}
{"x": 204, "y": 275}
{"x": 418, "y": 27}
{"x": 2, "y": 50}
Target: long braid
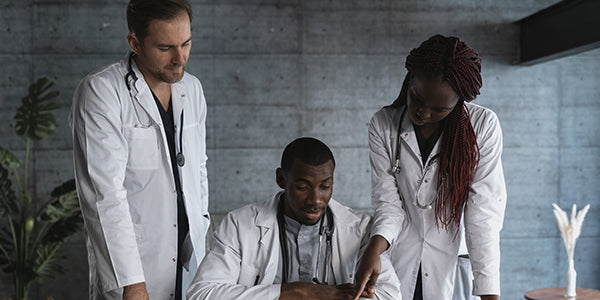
{"x": 460, "y": 67}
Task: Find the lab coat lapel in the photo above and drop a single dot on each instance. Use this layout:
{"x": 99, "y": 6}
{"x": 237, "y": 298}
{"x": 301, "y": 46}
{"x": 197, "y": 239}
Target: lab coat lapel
{"x": 142, "y": 94}
{"x": 268, "y": 250}
{"x": 343, "y": 259}
{"x": 144, "y": 97}
{"x": 177, "y": 101}
{"x": 407, "y": 134}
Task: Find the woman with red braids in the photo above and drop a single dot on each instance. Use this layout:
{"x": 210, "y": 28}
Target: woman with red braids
{"x": 437, "y": 180}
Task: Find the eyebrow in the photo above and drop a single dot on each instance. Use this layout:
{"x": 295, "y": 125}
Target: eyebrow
{"x": 308, "y": 182}
{"x": 169, "y": 45}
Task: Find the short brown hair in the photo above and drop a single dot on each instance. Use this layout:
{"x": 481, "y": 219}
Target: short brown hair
{"x": 141, "y": 12}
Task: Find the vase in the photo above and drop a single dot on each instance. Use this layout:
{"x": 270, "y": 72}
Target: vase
{"x": 570, "y": 278}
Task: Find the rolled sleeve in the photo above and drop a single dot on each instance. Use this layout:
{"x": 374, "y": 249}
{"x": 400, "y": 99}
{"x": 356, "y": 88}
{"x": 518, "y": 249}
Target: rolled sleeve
{"x": 484, "y": 212}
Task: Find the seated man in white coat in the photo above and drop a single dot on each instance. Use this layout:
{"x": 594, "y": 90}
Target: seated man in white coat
{"x": 299, "y": 245}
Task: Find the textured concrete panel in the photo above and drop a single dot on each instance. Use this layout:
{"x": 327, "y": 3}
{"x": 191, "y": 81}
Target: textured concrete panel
{"x": 352, "y": 81}
{"x": 275, "y": 3}
{"x": 352, "y": 177}
{"x": 580, "y": 170}
{"x": 524, "y": 98}
{"x": 13, "y": 86}
{"x": 203, "y": 27}
{"x": 256, "y": 29}
{"x": 385, "y": 31}
{"x": 240, "y": 126}
{"x": 347, "y": 5}
{"x": 79, "y": 28}
{"x": 202, "y": 66}
{"x": 341, "y": 128}
{"x": 356, "y": 31}
{"x": 528, "y": 264}
{"x": 532, "y": 178}
{"x": 53, "y": 168}
{"x": 15, "y": 26}
{"x": 237, "y": 177}
{"x": 257, "y": 80}
{"x": 579, "y": 76}
{"x": 579, "y": 126}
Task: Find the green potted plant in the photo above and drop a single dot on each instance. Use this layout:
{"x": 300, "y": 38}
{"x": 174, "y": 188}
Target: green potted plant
{"x": 33, "y": 232}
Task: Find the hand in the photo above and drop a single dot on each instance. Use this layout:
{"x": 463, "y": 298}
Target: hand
{"x": 136, "y": 291}
{"x": 303, "y": 290}
{"x": 489, "y": 297}
{"x": 370, "y": 267}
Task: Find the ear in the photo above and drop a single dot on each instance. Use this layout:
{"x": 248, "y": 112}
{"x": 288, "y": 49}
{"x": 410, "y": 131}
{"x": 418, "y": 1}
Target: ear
{"x": 280, "y": 178}
{"x": 133, "y": 42}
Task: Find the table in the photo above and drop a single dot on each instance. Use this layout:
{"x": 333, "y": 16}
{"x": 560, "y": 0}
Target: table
{"x": 555, "y": 293}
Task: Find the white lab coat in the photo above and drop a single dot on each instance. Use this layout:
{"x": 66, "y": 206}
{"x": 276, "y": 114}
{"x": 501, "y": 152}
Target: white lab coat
{"x": 125, "y": 180}
{"x": 412, "y": 231}
{"x": 244, "y": 257}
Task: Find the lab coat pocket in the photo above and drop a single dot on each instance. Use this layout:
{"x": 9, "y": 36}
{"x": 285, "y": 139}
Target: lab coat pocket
{"x": 143, "y": 148}
{"x": 463, "y": 279}
{"x": 248, "y": 275}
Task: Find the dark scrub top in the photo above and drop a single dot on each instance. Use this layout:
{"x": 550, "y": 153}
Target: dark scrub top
{"x": 182, "y": 220}
{"x": 425, "y": 147}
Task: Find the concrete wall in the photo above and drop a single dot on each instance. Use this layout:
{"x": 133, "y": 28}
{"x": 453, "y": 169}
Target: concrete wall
{"x": 276, "y": 70}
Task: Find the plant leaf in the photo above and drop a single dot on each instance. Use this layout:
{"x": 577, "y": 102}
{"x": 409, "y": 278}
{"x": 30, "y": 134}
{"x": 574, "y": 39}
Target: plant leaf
{"x": 66, "y": 187}
{"x": 8, "y": 159}
{"x": 34, "y": 118}
{"x": 45, "y": 264}
{"x": 62, "y": 213}
{"x": 8, "y": 199}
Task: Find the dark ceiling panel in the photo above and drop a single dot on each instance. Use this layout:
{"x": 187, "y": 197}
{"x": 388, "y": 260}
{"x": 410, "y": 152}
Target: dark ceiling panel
{"x": 566, "y": 28}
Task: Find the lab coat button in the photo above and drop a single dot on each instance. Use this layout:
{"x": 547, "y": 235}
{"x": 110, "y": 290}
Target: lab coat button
{"x": 173, "y": 259}
{"x": 426, "y": 274}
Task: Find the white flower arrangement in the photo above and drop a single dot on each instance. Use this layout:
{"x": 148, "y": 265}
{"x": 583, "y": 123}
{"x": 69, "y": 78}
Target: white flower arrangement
{"x": 570, "y": 231}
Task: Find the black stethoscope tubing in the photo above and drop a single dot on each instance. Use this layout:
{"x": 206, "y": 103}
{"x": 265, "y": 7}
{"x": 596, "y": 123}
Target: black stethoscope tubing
{"x": 396, "y": 166}
{"x": 179, "y": 157}
{"x": 283, "y": 242}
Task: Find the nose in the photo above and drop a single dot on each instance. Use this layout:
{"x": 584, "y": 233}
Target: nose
{"x": 423, "y": 113}
{"x": 179, "y": 56}
{"x": 315, "y": 197}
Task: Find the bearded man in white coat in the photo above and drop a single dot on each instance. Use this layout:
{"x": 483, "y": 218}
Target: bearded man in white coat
{"x": 301, "y": 244}
{"x": 140, "y": 164}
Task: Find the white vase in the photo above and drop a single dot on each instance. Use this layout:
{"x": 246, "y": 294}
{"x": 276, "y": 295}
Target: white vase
{"x": 571, "y": 279}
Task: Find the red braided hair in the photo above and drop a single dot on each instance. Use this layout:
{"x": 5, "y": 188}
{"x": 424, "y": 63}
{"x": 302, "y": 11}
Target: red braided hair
{"x": 460, "y": 67}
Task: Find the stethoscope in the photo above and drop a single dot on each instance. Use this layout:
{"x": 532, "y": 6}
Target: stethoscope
{"x": 327, "y": 230}
{"x": 179, "y": 157}
{"x": 396, "y": 168}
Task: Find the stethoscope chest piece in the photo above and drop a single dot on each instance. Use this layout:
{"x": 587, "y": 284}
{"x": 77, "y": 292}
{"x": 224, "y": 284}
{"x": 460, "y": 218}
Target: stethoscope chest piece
{"x": 180, "y": 159}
